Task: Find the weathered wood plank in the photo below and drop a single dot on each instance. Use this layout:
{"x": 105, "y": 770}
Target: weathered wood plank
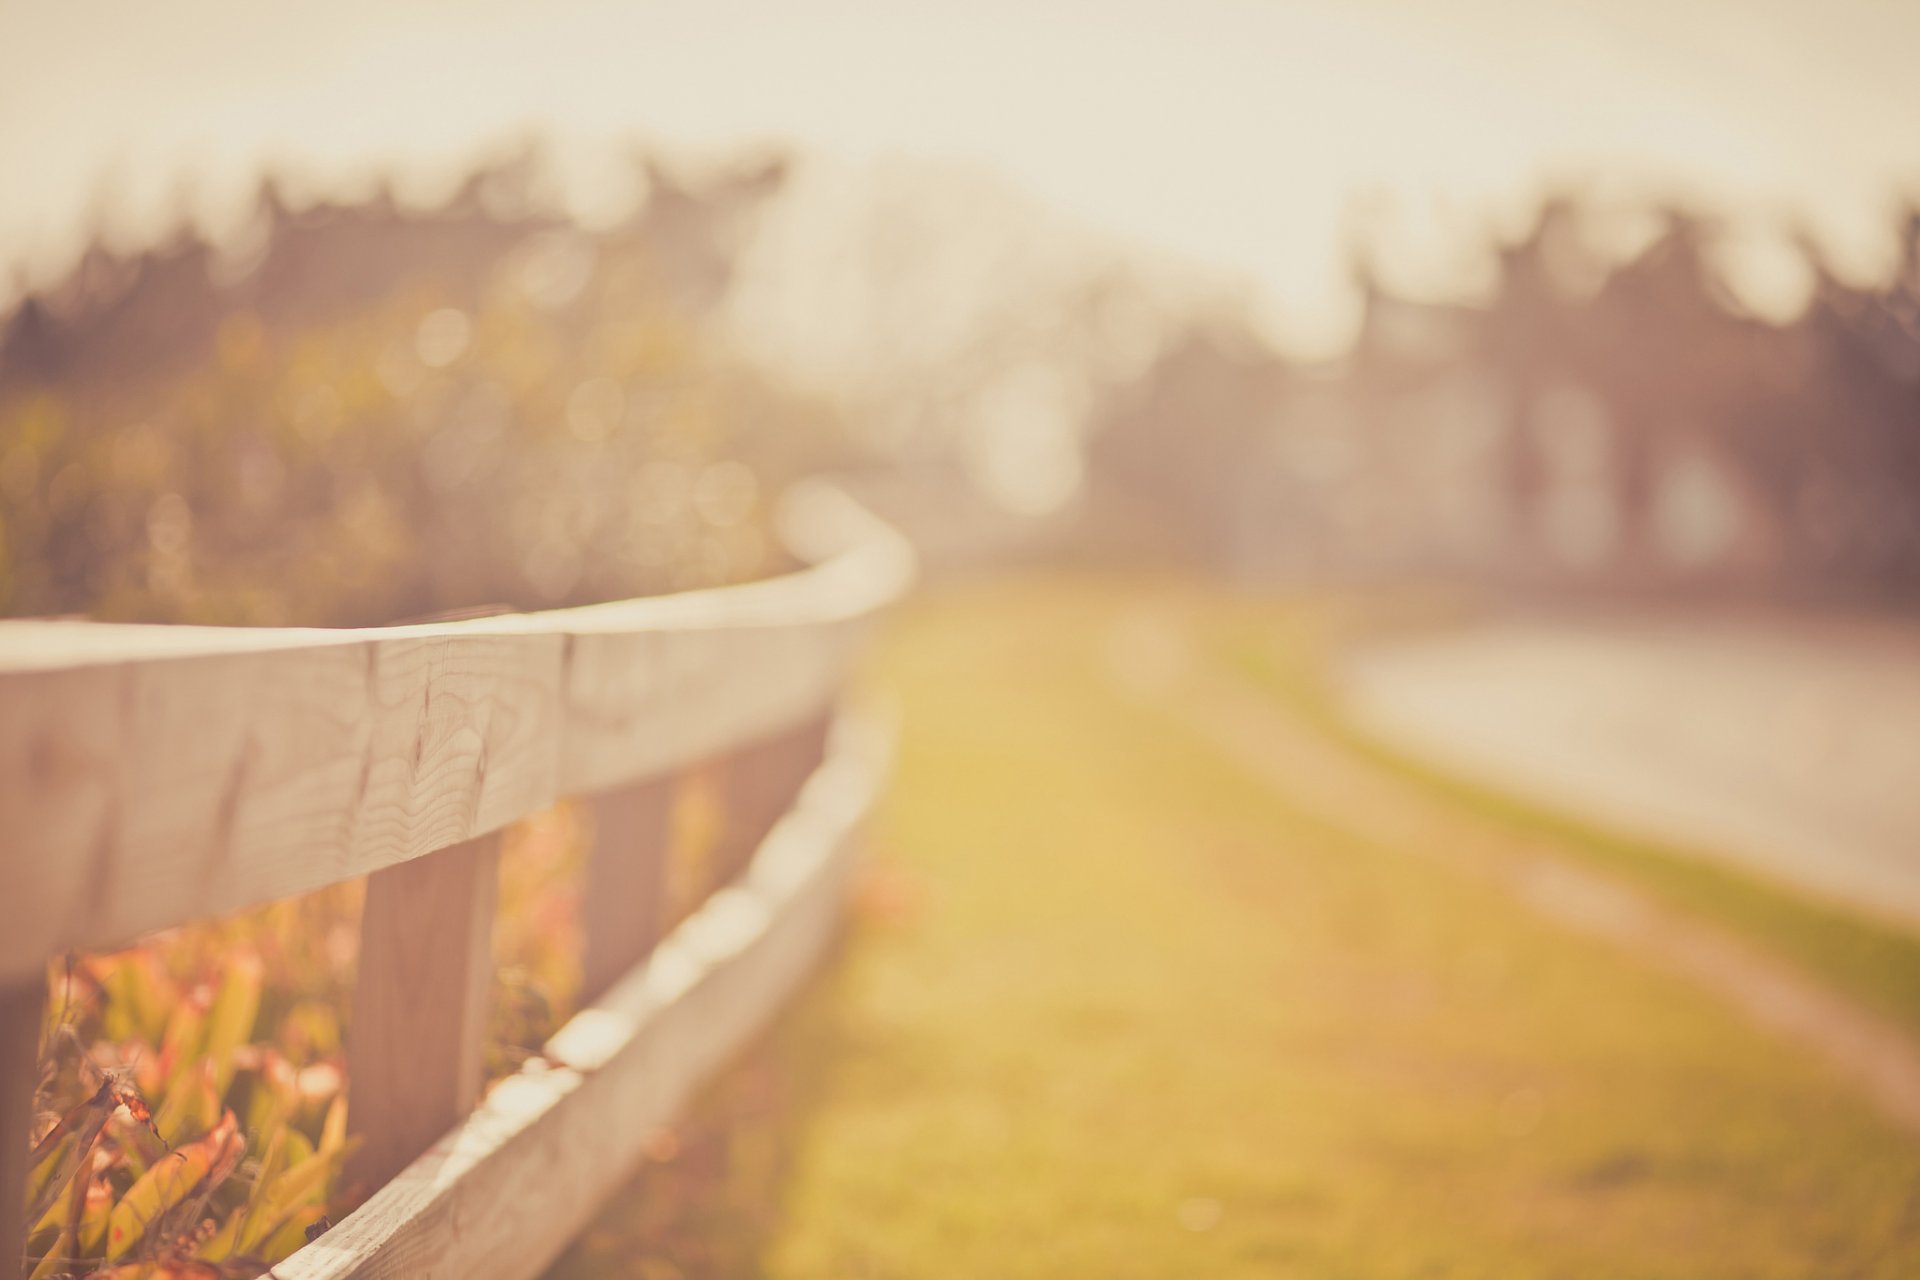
{"x": 623, "y": 903}
{"x": 638, "y": 703}
{"x": 21, "y": 1006}
{"x": 142, "y": 796}
{"x": 150, "y": 776}
{"x": 417, "y": 1034}
{"x": 503, "y": 1192}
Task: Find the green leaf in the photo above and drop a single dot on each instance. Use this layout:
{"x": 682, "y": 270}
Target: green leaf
{"x": 171, "y": 1181}
{"x": 230, "y": 1021}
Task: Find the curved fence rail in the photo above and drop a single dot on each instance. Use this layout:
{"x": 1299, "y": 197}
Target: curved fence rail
{"x": 151, "y": 776}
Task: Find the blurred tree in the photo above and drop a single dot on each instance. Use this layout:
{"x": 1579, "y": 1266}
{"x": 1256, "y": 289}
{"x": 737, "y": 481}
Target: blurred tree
{"x": 384, "y": 412}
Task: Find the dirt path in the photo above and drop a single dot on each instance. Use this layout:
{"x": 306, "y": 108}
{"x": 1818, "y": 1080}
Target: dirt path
{"x": 1151, "y": 659}
{"x": 1788, "y": 747}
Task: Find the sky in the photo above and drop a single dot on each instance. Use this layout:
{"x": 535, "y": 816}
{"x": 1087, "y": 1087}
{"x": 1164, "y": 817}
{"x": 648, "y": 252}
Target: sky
{"x": 1234, "y": 135}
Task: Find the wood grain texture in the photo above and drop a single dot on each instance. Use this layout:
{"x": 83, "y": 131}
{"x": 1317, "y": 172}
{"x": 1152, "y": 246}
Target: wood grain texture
{"x": 623, "y": 904}
{"x": 638, "y": 703}
{"x": 140, "y": 796}
{"x": 417, "y": 1035}
{"x": 21, "y": 1005}
{"x": 151, "y": 776}
{"x": 501, "y": 1194}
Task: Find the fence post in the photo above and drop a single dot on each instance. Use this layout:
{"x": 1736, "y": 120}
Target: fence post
{"x": 21, "y": 1007}
{"x": 418, "y": 1032}
{"x": 759, "y": 783}
{"x": 623, "y": 906}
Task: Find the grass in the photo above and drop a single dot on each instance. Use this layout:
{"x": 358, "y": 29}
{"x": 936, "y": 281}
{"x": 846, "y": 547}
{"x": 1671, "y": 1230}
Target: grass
{"x": 1112, "y": 1008}
{"x": 1284, "y": 648}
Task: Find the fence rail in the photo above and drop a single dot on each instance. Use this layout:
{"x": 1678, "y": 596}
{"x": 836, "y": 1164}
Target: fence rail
{"x": 152, "y": 776}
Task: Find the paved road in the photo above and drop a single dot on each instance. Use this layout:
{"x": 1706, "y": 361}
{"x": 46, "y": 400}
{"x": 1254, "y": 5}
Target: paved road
{"x": 1792, "y": 748}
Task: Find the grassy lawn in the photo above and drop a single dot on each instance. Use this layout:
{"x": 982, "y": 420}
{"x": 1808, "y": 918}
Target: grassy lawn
{"x": 1112, "y": 1008}
{"x": 1283, "y": 648}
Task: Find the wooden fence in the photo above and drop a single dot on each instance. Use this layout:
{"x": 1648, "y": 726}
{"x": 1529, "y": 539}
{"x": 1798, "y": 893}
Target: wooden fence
{"x": 151, "y": 776}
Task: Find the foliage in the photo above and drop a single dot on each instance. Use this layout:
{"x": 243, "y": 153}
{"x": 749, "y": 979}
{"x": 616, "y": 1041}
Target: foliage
{"x": 339, "y": 476}
{"x": 547, "y": 422}
{"x": 191, "y": 1096}
{"x": 192, "y": 1100}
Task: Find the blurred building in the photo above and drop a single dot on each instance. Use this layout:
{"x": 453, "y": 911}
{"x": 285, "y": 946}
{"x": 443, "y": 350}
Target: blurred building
{"x": 1618, "y": 426}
